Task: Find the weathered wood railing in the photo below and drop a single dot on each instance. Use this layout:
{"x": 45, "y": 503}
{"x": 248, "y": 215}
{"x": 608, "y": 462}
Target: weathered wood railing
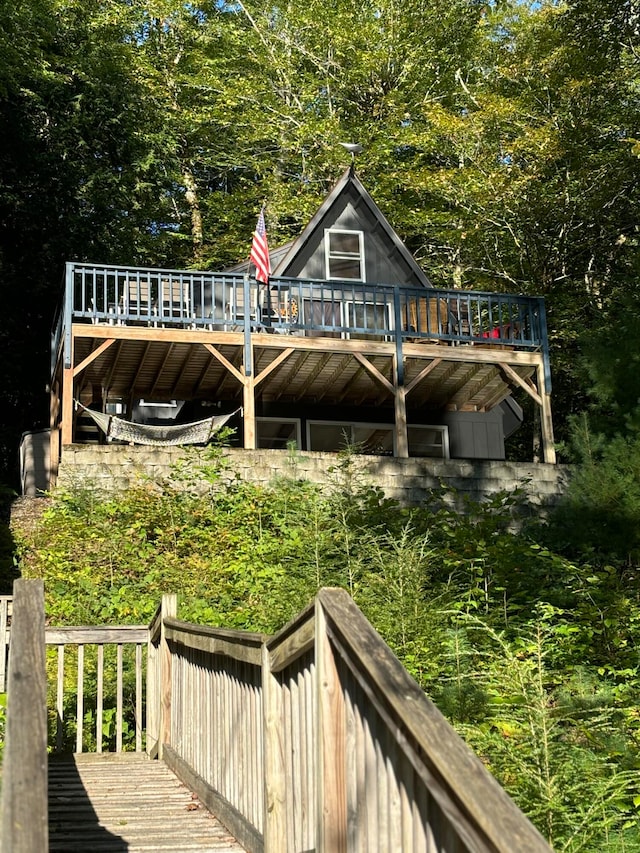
{"x": 349, "y": 752}
{"x": 24, "y": 768}
{"x": 313, "y": 739}
{"x": 6, "y": 611}
{"x": 96, "y": 686}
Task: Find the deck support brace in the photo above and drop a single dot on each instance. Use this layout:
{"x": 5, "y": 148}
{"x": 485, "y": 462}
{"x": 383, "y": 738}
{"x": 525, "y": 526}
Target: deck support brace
{"x": 398, "y": 391}
{"x": 542, "y": 399}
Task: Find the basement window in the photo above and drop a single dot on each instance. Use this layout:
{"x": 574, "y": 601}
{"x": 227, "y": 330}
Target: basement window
{"x": 428, "y": 441}
{"x": 277, "y": 433}
{"x": 331, "y": 436}
{"x": 344, "y": 254}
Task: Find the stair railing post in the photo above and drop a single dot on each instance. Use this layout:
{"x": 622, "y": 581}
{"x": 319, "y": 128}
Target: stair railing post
{"x": 275, "y": 783}
{"x": 169, "y": 608}
{"x": 331, "y": 809}
{"x": 24, "y": 810}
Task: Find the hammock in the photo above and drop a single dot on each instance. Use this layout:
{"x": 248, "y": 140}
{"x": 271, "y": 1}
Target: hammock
{"x": 199, "y": 432}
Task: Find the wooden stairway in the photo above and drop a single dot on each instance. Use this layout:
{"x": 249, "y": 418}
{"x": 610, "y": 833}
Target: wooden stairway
{"x": 125, "y": 802}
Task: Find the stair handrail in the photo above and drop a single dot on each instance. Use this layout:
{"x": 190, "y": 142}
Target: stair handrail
{"x": 24, "y": 813}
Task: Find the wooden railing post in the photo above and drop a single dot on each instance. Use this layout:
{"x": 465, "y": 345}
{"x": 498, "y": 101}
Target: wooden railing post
{"x": 275, "y": 785}
{"x": 331, "y": 814}
{"x": 169, "y": 609}
{"x": 24, "y": 789}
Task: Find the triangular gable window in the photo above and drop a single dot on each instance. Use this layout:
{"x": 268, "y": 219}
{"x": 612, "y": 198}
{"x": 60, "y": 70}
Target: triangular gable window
{"x": 344, "y": 254}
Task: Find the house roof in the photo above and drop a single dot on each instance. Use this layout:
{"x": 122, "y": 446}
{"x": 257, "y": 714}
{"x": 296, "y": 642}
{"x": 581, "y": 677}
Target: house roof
{"x": 348, "y": 189}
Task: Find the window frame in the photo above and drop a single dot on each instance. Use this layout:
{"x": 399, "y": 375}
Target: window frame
{"x": 294, "y": 421}
{"x": 329, "y": 255}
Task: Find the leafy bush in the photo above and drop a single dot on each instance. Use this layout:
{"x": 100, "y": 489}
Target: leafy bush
{"x": 532, "y": 656}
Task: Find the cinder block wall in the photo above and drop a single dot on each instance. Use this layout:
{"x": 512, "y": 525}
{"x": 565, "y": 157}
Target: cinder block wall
{"x": 410, "y": 481}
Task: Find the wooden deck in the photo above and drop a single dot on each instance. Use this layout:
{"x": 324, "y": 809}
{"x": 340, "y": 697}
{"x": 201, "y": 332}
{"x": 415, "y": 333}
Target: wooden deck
{"x": 408, "y": 353}
{"x": 125, "y": 802}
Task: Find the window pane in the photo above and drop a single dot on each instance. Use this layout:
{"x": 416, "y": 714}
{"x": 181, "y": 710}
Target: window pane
{"x": 376, "y": 440}
{"x": 426, "y": 441}
{"x": 275, "y": 435}
{"x": 367, "y": 316}
{"x": 345, "y": 268}
{"x": 329, "y": 437}
{"x": 344, "y": 243}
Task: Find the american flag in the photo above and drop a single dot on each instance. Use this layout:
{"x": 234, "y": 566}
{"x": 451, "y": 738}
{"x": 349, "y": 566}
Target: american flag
{"x": 260, "y": 251}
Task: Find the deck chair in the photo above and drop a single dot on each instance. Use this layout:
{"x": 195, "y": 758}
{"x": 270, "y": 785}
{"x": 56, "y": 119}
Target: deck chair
{"x": 138, "y": 302}
{"x": 174, "y": 304}
{"x": 428, "y": 316}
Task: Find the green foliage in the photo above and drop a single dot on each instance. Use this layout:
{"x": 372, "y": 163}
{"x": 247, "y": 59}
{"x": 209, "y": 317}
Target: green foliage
{"x": 498, "y": 138}
{"x": 530, "y": 655}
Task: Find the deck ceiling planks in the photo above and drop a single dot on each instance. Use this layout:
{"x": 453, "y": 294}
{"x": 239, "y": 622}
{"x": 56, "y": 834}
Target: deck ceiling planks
{"x": 321, "y": 370}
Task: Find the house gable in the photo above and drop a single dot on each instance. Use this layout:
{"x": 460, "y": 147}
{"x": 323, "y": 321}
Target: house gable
{"x": 349, "y": 207}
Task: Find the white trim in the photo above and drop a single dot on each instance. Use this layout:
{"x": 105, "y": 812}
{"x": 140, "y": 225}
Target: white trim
{"x": 441, "y": 428}
{"x": 328, "y": 255}
{"x": 351, "y": 425}
{"x": 352, "y": 304}
{"x": 294, "y": 421}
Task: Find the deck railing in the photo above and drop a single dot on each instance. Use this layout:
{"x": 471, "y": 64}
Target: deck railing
{"x": 98, "y": 687}
{"x": 232, "y": 302}
{"x": 313, "y": 739}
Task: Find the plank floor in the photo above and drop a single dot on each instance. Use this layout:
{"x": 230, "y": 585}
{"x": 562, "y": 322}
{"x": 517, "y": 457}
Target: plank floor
{"x": 127, "y": 803}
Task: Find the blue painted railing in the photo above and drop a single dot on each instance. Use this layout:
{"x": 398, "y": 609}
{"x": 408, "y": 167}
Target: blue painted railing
{"x": 234, "y": 302}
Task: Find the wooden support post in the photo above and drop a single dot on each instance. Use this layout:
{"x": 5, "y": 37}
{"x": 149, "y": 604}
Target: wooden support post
{"x": 546, "y": 421}
{"x": 249, "y": 413}
{"x": 54, "y": 433}
{"x": 400, "y": 406}
{"x": 331, "y": 813}
{"x": 169, "y": 609}
{"x": 24, "y": 790}
{"x": 67, "y": 407}
{"x": 275, "y": 781}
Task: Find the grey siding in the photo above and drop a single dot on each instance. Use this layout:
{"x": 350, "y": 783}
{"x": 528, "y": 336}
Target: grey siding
{"x": 384, "y": 263}
{"x": 475, "y": 435}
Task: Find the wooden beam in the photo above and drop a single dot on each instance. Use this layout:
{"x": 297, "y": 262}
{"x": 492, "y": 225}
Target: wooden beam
{"x": 473, "y": 387}
{"x": 225, "y": 362}
{"x": 330, "y": 382}
{"x": 249, "y": 414}
{"x": 116, "y": 359}
{"x": 350, "y": 383}
{"x": 140, "y": 366}
{"x": 169, "y": 609}
{"x": 276, "y": 761}
{"x": 520, "y": 382}
{"x": 166, "y": 358}
{"x": 203, "y": 375}
{"x": 331, "y": 831}
{"x": 423, "y": 374}
{"x": 67, "y": 406}
{"x": 277, "y": 361}
{"x": 181, "y": 370}
{"x": 400, "y": 411}
{"x": 420, "y": 351}
{"x": 546, "y": 421}
{"x": 317, "y": 370}
{"x": 23, "y": 818}
{"x": 92, "y": 357}
{"x": 298, "y": 363}
{"x": 373, "y": 370}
